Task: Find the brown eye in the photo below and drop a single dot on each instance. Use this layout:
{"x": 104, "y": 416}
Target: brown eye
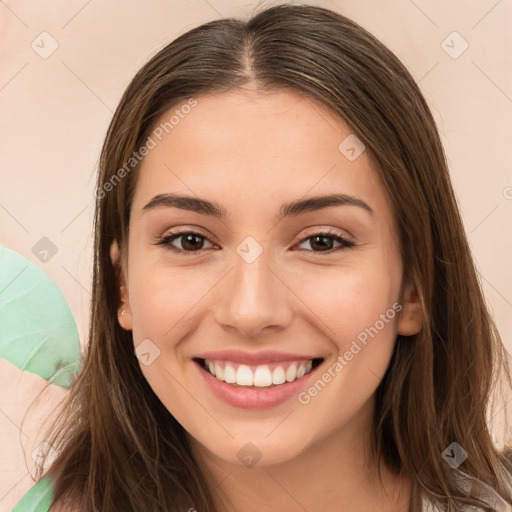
{"x": 190, "y": 241}
{"x": 324, "y": 242}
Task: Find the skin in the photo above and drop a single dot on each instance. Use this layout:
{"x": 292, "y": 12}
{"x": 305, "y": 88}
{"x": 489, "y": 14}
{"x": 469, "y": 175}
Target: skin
{"x": 250, "y": 152}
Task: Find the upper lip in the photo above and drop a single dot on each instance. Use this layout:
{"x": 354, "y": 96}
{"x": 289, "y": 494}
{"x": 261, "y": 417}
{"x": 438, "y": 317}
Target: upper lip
{"x": 264, "y": 356}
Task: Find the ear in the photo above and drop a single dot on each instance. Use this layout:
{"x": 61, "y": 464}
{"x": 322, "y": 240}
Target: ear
{"x": 411, "y": 315}
{"x": 124, "y": 314}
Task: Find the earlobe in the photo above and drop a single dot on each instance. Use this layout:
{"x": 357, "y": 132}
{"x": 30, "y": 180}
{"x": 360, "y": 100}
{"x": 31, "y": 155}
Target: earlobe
{"x": 410, "y": 320}
{"x": 114, "y": 252}
{"x": 124, "y": 315}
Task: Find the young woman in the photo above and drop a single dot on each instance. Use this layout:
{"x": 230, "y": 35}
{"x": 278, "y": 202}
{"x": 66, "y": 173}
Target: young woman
{"x": 286, "y": 314}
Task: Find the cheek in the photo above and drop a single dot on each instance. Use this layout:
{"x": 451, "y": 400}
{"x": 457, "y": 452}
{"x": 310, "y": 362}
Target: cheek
{"x": 165, "y": 300}
{"x": 356, "y": 310}
{"x": 165, "y": 306}
{"x": 346, "y": 301}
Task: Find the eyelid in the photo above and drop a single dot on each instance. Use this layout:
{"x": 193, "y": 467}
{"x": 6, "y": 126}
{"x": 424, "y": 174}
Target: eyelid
{"x": 327, "y": 231}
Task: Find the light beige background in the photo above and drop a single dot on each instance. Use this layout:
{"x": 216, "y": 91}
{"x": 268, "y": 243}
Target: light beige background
{"x": 55, "y": 112}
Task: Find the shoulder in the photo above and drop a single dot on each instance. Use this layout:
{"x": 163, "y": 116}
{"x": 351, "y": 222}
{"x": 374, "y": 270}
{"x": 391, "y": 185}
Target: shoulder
{"x": 429, "y": 506}
{"x": 470, "y": 483}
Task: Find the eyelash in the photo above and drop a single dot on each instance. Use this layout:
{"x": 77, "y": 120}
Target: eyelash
{"x": 166, "y": 241}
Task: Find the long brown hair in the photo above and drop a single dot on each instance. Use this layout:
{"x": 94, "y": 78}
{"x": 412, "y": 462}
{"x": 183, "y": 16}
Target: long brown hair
{"x": 119, "y": 447}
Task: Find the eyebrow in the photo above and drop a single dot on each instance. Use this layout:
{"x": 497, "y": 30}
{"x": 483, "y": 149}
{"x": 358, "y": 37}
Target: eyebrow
{"x": 202, "y": 206}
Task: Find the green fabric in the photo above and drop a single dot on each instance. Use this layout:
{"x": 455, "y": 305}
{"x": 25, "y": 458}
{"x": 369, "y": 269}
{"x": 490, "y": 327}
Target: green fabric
{"x": 38, "y": 333}
{"x": 38, "y": 499}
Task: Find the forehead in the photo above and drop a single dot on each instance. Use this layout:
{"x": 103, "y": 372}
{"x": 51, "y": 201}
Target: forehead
{"x": 256, "y": 147}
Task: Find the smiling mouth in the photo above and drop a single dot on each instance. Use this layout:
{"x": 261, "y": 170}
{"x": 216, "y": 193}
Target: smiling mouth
{"x": 262, "y": 376}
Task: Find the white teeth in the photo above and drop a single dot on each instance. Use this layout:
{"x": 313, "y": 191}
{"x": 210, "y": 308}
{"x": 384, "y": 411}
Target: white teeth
{"x": 291, "y": 373}
{"x": 244, "y": 376}
{"x": 262, "y": 376}
{"x": 229, "y": 374}
{"x": 278, "y": 376}
{"x": 219, "y": 372}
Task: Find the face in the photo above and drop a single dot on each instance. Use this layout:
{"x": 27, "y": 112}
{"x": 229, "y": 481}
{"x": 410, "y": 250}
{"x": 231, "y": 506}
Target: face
{"x": 262, "y": 292}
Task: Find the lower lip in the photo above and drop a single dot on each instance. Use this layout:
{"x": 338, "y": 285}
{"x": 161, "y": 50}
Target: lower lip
{"x": 250, "y": 398}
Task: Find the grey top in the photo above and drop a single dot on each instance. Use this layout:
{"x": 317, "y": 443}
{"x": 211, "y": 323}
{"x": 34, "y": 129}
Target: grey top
{"x": 483, "y": 491}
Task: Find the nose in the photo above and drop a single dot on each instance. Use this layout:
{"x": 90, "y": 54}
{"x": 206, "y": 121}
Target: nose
{"x": 253, "y": 299}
